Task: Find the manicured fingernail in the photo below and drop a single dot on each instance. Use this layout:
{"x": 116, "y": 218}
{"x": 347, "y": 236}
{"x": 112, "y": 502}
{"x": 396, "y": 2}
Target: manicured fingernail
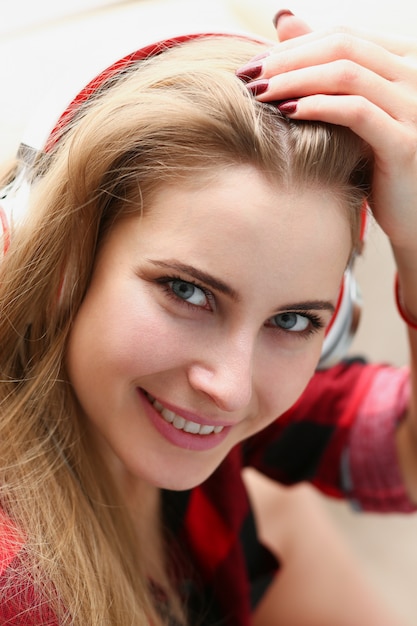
{"x": 258, "y": 87}
{"x": 260, "y": 57}
{"x": 249, "y": 72}
{"x": 280, "y": 14}
{"x": 288, "y": 107}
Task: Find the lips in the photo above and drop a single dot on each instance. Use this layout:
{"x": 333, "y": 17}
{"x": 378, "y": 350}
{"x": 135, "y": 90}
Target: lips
{"x": 180, "y": 423}
{"x": 182, "y": 430}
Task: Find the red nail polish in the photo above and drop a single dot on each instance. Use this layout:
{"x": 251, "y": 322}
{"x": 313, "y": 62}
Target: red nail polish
{"x": 248, "y": 72}
{"x": 288, "y": 107}
{"x": 258, "y": 87}
{"x": 280, "y": 14}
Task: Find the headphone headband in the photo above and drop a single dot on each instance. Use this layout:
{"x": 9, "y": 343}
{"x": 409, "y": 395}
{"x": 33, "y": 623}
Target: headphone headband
{"x": 98, "y": 80}
{"x": 57, "y": 110}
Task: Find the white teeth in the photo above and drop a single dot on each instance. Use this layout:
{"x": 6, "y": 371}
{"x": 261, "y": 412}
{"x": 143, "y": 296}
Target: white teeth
{"x": 192, "y": 427}
{"x": 206, "y": 430}
{"x": 182, "y": 424}
{"x": 168, "y": 416}
{"x": 179, "y": 422}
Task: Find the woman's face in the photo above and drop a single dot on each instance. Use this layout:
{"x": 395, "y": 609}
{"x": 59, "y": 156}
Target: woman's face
{"x": 204, "y": 321}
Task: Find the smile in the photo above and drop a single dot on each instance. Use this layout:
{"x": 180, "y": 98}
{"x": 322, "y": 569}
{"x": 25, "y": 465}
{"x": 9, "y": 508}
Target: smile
{"x": 180, "y": 423}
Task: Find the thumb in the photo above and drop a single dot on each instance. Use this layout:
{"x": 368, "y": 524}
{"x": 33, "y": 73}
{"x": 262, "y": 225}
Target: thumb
{"x": 289, "y": 26}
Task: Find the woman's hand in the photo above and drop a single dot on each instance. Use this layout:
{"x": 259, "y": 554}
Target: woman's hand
{"x": 360, "y": 80}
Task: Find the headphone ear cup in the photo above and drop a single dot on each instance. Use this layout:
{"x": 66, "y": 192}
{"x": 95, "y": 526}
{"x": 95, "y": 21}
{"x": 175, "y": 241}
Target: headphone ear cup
{"x": 344, "y": 323}
{"x": 14, "y": 201}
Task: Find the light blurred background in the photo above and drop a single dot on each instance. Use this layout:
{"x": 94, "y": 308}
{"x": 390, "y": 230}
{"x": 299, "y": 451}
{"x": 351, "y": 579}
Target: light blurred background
{"x": 40, "y": 45}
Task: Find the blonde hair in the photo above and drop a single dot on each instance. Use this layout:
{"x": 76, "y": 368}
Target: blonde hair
{"x": 166, "y": 119}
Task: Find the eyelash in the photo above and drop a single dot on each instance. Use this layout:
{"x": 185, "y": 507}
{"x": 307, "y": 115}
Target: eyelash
{"x": 316, "y": 322}
{"x": 164, "y": 281}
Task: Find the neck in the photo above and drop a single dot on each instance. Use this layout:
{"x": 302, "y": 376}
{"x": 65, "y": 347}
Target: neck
{"x": 143, "y": 505}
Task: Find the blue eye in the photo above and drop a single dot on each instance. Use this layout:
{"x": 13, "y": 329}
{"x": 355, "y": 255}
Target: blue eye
{"x": 188, "y": 292}
{"x": 290, "y": 321}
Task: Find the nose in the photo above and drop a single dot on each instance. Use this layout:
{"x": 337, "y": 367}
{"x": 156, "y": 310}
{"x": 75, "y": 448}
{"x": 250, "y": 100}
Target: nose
{"x": 225, "y": 374}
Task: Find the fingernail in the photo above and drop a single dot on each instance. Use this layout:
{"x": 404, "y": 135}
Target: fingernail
{"x": 249, "y": 72}
{"x": 260, "y": 57}
{"x": 288, "y": 107}
{"x": 258, "y": 87}
{"x": 280, "y": 14}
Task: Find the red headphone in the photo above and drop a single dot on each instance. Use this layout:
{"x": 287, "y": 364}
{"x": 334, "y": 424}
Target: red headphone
{"x": 51, "y": 120}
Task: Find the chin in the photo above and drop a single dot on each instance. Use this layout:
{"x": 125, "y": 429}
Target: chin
{"x": 176, "y": 482}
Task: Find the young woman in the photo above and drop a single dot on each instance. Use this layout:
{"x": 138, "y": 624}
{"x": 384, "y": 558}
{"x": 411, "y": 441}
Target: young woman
{"x": 163, "y": 302}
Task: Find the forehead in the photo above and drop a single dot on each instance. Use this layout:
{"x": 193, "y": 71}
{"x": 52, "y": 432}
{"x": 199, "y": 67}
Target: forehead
{"x": 240, "y": 199}
{"x": 239, "y": 223}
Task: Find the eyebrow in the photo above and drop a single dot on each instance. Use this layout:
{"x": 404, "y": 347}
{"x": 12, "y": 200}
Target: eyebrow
{"x": 222, "y": 287}
{"x": 204, "y": 277}
{"x": 311, "y": 305}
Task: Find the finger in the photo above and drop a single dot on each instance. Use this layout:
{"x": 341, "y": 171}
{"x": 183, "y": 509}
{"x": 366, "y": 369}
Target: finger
{"x": 387, "y": 136}
{"x": 339, "y": 46}
{"x": 289, "y": 26}
{"x": 339, "y": 78}
{"x": 334, "y": 46}
{"x": 401, "y": 46}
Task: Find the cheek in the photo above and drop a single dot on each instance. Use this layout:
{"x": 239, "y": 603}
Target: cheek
{"x": 284, "y": 381}
{"x": 120, "y": 334}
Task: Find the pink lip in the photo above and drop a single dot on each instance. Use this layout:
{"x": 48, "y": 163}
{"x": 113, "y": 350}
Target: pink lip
{"x": 179, "y": 437}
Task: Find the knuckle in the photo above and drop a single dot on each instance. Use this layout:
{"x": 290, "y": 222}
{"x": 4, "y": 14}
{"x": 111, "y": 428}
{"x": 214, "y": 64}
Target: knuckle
{"x": 346, "y": 74}
{"x": 341, "y": 32}
{"x": 360, "y": 111}
{"x": 342, "y": 43}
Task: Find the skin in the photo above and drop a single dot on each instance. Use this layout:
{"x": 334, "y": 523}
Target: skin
{"x": 221, "y": 357}
{"x": 367, "y": 82}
